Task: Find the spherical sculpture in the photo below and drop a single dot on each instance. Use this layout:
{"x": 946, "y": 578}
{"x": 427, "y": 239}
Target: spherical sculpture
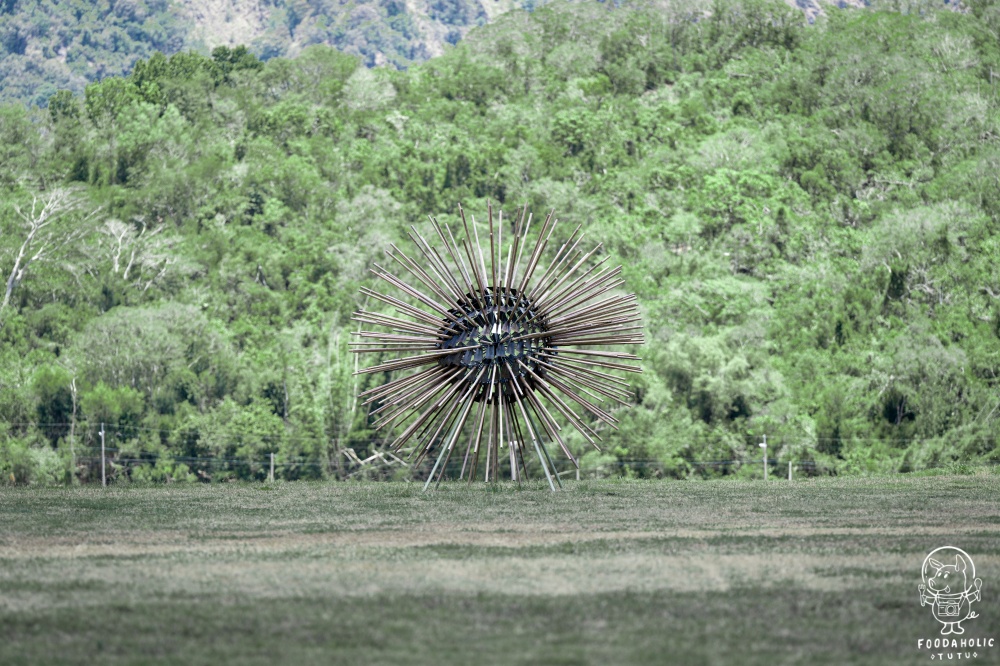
{"x": 497, "y": 350}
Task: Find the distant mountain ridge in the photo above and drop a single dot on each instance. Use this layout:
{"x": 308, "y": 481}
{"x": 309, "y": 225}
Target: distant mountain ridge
{"x": 381, "y": 32}
{"x": 48, "y": 45}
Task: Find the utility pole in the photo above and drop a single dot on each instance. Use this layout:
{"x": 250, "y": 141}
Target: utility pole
{"x": 104, "y": 478}
{"x": 763, "y": 445}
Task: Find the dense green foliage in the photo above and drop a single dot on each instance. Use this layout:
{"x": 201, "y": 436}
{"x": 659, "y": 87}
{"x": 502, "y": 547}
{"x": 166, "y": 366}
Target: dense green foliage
{"x": 46, "y": 44}
{"x": 809, "y": 215}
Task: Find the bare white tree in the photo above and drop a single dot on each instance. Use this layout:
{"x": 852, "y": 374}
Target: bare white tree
{"x": 121, "y": 236}
{"x": 43, "y": 236}
{"x": 142, "y": 254}
{"x": 136, "y": 246}
{"x": 156, "y": 262}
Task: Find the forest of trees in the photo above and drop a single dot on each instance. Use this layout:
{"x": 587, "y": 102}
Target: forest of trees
{"x": 47, "y": 45}
{"x": 810, "y": 216}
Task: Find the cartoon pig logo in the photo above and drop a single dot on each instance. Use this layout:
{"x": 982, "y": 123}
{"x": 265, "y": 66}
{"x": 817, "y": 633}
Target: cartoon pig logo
{"x": 946, "y": 574}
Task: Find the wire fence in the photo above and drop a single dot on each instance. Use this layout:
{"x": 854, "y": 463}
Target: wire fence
{"x": 123, "y": 466}
{"x": 91, "y": 431}
{"x": 91, "y": 463}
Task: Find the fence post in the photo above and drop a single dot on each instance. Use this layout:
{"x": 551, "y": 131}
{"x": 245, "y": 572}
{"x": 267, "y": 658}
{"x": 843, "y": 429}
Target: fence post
{"x": 789, "y": 470}
{"x": 763, "y": 445}
{"x": 104, "y": 478}
{"x": 270, "y": 477}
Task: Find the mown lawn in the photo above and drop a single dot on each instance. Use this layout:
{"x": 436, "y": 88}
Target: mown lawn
{"x": 605, "y": 572}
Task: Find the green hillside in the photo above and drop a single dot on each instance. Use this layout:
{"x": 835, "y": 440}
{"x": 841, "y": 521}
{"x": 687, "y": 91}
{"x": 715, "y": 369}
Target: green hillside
{"x": 46, "y": 45}
{"x": 808, "y": 214}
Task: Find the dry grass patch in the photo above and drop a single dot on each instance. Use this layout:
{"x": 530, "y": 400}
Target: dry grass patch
{"x": 611, "y": 571}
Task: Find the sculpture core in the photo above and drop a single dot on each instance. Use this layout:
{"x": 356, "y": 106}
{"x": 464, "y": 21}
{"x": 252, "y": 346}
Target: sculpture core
{"x": 501, "y": 334}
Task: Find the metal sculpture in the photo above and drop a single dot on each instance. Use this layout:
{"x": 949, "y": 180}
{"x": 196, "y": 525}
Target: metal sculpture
{"x": 497, "y": 352}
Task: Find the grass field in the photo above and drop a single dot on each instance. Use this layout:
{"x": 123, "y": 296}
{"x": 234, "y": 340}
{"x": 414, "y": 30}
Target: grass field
{"x": 605, "y": 572}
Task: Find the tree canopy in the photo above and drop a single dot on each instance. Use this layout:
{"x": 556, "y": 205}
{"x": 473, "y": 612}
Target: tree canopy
{"x": 809, "y": 214}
